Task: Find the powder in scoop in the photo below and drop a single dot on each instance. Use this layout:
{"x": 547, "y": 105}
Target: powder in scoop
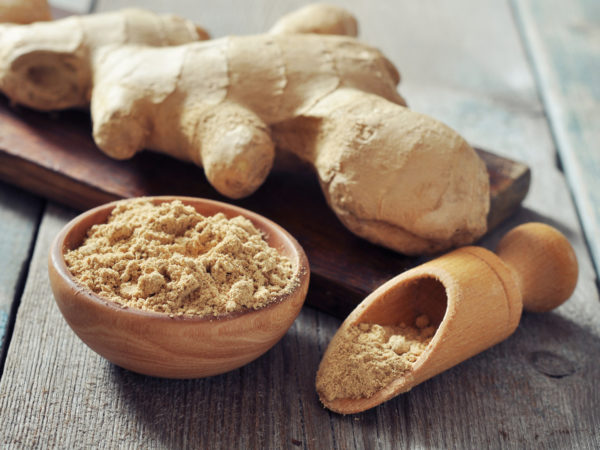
{"x": 364, "y": 358}
{"x": 169, "y": 258}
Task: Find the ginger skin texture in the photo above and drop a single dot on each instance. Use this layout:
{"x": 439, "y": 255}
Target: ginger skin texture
{"x": 48, "y": 65}
{"x": 318, "y": 18}
{"x": 24, "y": 11}
{"x": 393, "y": 176}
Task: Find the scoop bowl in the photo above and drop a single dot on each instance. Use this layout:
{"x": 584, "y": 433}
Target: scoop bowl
{"x": 156, "y": 344}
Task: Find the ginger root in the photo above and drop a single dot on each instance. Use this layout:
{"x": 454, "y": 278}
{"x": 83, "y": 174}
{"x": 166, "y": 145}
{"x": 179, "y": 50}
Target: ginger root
{"x": 319, "y": 19}
{"x": 393, "y": 176}
{"x": 24, "y": 11}
{"x": 48, "y": 65}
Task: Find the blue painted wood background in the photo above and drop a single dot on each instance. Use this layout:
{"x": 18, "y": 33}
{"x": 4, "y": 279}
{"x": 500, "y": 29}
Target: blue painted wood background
{"x": 563, "y": 42}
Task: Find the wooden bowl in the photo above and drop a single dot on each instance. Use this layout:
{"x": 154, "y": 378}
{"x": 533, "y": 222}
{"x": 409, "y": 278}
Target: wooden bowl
{"x": 153, "y": 343}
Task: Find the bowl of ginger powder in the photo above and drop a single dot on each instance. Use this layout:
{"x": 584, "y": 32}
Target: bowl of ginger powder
{"x": 177, "y": 287}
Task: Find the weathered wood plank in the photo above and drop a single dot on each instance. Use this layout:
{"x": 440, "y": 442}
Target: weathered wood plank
{"x": 563, "y": 39}
{"x": 19, "y": 215}
{"x": 538, "y": 389}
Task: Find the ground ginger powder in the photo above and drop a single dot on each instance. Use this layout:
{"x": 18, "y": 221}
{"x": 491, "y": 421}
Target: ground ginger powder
{"x": 169, "y": 258}
{"x": 365, "y": 358}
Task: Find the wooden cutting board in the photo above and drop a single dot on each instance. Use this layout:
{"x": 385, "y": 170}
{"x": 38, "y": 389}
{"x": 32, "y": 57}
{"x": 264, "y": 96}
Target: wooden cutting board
{"x": 53, "y": 155}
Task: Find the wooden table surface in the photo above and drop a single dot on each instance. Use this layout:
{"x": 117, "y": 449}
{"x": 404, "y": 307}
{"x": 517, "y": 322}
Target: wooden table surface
{"x": 518, "y": 77}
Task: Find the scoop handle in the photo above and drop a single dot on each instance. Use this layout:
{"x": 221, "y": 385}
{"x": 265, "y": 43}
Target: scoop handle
{"x": 543, "y": 263}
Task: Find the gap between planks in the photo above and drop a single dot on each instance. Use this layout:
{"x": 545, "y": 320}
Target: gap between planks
{"x": 20, "y": 214}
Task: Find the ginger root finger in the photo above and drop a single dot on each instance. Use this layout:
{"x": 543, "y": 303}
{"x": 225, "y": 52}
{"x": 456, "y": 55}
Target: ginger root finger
{"x": 153, "y": 98}
{"x": 47, "y": 65}
{"x": 396, "y": 177}
{"x": 129, "y": 89}
{"x": 236, "y": 150}
{"x": 24, "y": 11}
{"x": 317, "y": 18}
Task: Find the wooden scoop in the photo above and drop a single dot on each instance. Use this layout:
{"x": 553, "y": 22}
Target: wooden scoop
{"x": 473, "y": 297}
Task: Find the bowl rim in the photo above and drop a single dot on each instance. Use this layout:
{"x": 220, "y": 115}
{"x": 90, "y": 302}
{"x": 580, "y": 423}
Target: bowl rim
{"x": 299, "y": 260}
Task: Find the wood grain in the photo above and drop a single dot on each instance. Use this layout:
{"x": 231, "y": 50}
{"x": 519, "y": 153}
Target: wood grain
{"x": 538, "y": 389}
{"x": 563, "y": 40}
{"x": 56, "y": 157}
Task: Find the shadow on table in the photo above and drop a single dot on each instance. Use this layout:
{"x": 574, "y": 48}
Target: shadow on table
{"x": 523, "y": 215}
{"x": 522, "y": 391}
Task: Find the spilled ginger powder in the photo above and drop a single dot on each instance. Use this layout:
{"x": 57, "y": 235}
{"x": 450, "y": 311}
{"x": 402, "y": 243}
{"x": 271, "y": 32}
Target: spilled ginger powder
{"x": 364, "y": 358}
{"x": 171, "y": 259}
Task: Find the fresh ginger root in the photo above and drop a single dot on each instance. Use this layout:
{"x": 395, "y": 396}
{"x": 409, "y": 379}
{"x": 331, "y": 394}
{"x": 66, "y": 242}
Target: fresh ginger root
{"x": 48, "y": 65}
{"x": 317, "y": 18}
{"x": 24, "y": 11}
{"x": 393, "y": 176}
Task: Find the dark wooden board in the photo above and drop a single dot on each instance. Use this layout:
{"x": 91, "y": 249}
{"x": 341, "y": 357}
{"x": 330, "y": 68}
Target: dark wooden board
{"x": 54, "y": 156}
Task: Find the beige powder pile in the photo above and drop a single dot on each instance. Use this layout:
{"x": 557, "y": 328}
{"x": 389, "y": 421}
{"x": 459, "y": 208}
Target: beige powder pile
{"x": 171, "y": 259}
{"x": 364, "y": 358}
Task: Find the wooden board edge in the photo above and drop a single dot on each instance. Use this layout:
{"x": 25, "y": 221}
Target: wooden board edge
{"x": 50, "y": 184}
